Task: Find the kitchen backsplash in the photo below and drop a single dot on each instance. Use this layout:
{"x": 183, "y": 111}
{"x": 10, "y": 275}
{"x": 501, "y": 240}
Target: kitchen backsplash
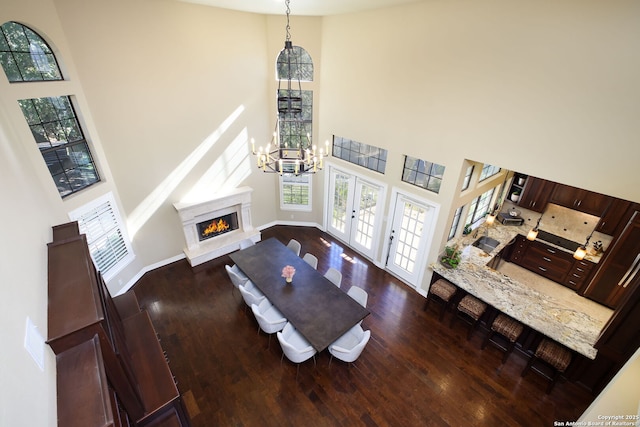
{"x": 564, "y": 222}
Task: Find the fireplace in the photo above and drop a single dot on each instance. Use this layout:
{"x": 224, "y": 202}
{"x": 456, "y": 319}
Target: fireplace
{"x": 216, "y": 227}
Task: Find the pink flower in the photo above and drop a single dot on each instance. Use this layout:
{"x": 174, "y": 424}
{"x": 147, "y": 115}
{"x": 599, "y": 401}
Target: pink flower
{"x": 288, "y": 272}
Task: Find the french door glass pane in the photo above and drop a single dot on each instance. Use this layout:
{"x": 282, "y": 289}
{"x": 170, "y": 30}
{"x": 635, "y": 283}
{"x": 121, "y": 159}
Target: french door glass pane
{"x": 367, "y": 215}
{"x": 341, "y": 192}
{"x": 409, "y": 237}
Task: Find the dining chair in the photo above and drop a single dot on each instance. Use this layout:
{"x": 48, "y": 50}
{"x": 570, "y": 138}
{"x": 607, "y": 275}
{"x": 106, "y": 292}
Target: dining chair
{"x": 295, "y": 246}
{"x": 350, "y": 345}
{"x": 251, "y": 294}
{"x": 246, "y": 243}
{"x": 358, "y": 294}
{"x": 311, "y": 259}
{"x": 334, "y": 276}
{"x": 269, "y": 318}
{"x": 295, "y": 347}
{"x": 236, "y": 275}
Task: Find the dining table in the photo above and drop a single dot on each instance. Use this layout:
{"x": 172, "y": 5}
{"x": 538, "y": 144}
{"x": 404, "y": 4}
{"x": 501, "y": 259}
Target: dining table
{"x": 319, "y": 310}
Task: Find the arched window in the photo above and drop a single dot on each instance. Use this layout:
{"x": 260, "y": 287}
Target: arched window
{"x": 53, "y": 121}
{"x": 25, "y": 56}
{"x": 295, "y": 63}
{"x": 293, "y": 66}
{"x": 57, "y": 131}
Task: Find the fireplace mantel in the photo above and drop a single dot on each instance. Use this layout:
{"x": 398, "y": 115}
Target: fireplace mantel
{"x": 237, "y": 200}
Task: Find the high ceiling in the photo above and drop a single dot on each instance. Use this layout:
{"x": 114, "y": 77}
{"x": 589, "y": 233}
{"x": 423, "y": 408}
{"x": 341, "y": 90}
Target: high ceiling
{"x": 302, "y": 7}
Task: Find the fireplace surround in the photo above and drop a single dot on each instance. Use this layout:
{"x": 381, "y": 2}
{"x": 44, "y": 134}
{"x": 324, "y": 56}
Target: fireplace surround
{"x": 216, "y": 227}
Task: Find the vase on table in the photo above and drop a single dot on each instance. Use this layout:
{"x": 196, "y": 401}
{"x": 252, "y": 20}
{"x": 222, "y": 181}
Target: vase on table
{"x": 288, "y": 272}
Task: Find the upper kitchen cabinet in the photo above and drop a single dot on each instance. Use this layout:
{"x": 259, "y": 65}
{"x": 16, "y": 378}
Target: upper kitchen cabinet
{"x": 580, "y": 200}
{"x": 619, "y": 268}
{"x": 535, "y": 194}
{"x": 615, "y": 217}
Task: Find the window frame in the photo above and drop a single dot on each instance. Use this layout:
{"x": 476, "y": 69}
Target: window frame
{"x": 455, "y": 223}
{"x": 61, "y": 142}
{"x": 467, "y": 178}
{"x": 358, "y": 153}
{"x": 308, "y": 185}
{"x": 473, "y": 216}
{"x": 14, "y": 57}
{"x": 423, "y": 168}
{"x": 488, "y": 171}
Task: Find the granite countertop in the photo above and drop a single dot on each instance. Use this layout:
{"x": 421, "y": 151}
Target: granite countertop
{"x": 557, "y": 312}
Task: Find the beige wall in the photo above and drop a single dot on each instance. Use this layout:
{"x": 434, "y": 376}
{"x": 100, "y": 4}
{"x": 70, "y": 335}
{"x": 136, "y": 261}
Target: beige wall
{"x": 171, "y": 92}
{"x": 546, "y": 88}
{"x": 619, "y": 398}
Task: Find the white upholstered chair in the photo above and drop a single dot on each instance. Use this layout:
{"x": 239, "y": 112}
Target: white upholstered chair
{"x": 359, "y": 295}
{"x": 295, "y": 347}
{"x": 311, "y": 259}
{"x": 269, "y": 318}
{"x": 236, "y": 275}
{"x": 295, "y": 246}
{"x": 251, "y": 294}
{"x": 246, "y": 243}
{"x": 334, "y": 276}
{"x": 350, "y": 345}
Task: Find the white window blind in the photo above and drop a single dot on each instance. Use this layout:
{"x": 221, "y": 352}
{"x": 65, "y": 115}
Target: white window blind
{"x": 108, "y": 244}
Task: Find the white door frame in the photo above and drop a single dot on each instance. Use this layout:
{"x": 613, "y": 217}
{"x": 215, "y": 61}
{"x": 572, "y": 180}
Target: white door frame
{"x": 380, "y": 216}
{"x": 425, "y": 242}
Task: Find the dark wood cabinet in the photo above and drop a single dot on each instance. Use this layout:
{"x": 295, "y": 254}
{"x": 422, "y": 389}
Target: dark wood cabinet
{"x": 84, "y": 319}
{"x": 518, "y": 250}
{"x": 535, "y": 194}
{"x": 580, "y": 200}
{"x": 547, "y": 261}
{"x": 551, "y": 262}
{"x": 620, "y": 265}
{"x": 579, "y": 274}
{"x": 614, "y": 216}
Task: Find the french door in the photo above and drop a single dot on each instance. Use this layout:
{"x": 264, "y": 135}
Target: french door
{"x": 355, "y": 211}
{"x": 410, "y": 234}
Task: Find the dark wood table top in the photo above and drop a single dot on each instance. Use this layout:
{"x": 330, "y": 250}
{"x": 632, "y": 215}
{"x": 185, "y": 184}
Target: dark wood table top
{"x": 317, "y": 308}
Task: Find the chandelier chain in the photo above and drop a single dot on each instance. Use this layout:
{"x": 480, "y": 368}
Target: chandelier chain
{"x": 288, "y": 27}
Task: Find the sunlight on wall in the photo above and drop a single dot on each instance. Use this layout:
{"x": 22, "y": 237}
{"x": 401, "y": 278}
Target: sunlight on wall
{"x": 227, "y": 172}
{"x": 141, "y": 214}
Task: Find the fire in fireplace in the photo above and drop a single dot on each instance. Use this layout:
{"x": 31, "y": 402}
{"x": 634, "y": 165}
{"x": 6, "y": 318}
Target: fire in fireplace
{"x": 217, "y": 226}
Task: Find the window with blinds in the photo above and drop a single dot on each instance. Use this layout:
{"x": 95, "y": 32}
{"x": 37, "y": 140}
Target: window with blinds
{"x": 107, "y": 240}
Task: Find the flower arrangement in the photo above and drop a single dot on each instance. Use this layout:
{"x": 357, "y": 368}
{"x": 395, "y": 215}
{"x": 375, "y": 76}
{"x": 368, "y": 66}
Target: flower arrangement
{"x": 451, "y": 257}
{"x": 288, "y": 272}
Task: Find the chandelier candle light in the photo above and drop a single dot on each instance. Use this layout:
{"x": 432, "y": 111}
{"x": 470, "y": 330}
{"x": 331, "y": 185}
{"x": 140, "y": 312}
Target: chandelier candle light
{"x": 289, "y": 150}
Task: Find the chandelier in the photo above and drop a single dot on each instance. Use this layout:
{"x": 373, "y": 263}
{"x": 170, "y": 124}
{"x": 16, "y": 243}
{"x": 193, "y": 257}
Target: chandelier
{"x": 290, "y": 149}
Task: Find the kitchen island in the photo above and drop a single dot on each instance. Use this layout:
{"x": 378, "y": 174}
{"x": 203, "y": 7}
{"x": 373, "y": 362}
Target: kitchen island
{"x": 548, "y": 308}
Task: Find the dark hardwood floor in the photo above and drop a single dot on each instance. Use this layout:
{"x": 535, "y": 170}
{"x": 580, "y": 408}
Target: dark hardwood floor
{"x": 415, "y": 371}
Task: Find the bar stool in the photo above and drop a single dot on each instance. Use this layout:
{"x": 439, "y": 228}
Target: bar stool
{"x": 471, "y": 310}
{"x": 441, "y": 291}
{"x": 554, "y": 356}
{"x": 506, "y": 327}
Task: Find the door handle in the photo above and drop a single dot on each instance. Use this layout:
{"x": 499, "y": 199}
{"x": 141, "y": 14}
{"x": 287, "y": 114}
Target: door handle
{"x": 631, "y": 272}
